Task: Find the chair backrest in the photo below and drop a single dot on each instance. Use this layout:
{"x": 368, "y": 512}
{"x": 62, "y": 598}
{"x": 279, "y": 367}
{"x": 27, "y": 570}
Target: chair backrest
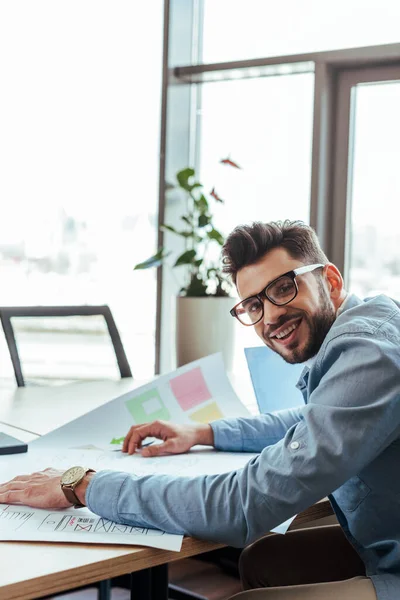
{"x": 274, "y": 380}
{"x": 9, "y": 313}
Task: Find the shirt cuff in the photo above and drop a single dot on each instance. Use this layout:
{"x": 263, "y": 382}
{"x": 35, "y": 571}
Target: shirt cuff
{"x": 227, "y": 436}
{"x": 103, "y": 491}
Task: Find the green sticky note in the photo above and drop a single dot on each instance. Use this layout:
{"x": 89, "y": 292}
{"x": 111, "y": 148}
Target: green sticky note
{"x": 148, "y": 406}
{"x": 117, "y": 440}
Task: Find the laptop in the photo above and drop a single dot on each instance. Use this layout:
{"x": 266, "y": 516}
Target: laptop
{"x": 274, "y": 380}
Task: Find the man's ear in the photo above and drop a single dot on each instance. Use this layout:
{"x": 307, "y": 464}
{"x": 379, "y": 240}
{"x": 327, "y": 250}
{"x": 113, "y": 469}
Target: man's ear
{"x": 334, "y": 281}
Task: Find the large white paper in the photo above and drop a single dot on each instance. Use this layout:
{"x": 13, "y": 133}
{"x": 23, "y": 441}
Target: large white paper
{"x": 199, "y": 461}
{"x": 198, "y": 392}
{"x": 77, "y": 525}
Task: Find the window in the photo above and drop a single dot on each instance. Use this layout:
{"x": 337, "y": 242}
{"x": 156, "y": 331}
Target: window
{"x": 265, "y": 125}
{"x": 79, "y": 148}
{"x": 374, "y": 262}
{"x": 237, "y": 30}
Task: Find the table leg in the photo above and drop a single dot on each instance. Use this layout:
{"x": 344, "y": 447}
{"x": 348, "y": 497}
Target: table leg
{"x": 159, "y": 581}
{"x": 150, "y": 584}
{"x": 104, "y": 590}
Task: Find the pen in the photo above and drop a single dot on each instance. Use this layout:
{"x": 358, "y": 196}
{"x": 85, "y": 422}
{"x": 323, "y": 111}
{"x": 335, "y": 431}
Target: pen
{"x": 143, "y": 446}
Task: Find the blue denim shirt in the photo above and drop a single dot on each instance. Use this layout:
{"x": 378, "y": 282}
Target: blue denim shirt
{"x": 344, "y": 442}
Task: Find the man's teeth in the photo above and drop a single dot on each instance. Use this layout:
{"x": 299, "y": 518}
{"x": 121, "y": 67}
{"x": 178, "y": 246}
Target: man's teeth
{"x": 282, "y": 334}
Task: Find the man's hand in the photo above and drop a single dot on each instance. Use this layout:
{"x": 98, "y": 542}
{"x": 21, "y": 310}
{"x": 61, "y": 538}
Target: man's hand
{"x": 39, "y": 490}
{"x": 177, "y": 438}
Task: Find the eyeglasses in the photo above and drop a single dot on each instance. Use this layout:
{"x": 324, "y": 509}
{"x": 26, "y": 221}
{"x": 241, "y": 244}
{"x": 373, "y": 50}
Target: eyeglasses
{"x": 280, "y": 291}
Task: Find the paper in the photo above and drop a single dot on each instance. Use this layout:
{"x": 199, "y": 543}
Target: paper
{"x": 77, "y": 525}
{"x": 274, "y": 380}
{"x": 198, "y": 392}
{"x": 148, "y": 406}
{"x": 177, "y": 397}
{"x": 190, "y": 389}
{"x": 200, "y": 460}
{"x": 211, "y": 412}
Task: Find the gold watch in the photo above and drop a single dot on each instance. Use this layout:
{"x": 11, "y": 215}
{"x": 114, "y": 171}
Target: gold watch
{"x": 69, "y": 480}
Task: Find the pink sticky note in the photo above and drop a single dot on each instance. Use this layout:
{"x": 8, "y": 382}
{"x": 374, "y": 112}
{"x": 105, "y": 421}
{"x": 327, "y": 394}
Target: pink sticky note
{"x": 190, "y": 389}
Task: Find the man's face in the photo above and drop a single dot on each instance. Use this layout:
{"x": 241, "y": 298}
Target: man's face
{"x": 308, "y": 317}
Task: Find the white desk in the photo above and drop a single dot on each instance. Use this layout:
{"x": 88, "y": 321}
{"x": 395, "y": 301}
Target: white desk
{"x": 39, "y": 410}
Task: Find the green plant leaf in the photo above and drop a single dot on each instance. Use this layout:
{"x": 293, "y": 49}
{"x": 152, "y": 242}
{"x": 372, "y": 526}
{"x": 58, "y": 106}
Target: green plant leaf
{"x": 154, "y": 261}
{"x": 216, "y": 235}
{"x": 201, "y": 204}
{"x": 186, "y": 219}
{"x": 183, "y": 178}
{"x": 186, "y": 258}
{"x": 204, "y": 220}
{"x": 168, "y": 228}
{"x": 196, "y": 288}
{"x": 185, "y": 234}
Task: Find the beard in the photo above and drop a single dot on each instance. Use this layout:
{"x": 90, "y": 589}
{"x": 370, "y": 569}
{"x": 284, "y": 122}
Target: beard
{"x": 318, "y": 325}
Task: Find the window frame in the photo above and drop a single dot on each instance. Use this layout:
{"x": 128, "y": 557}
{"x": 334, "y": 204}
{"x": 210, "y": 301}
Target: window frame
{"x": 184, "y": 73}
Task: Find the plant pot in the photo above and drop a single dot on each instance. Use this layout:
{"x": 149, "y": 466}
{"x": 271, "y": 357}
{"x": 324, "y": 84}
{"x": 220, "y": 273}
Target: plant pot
{"x": 204, "y": 326}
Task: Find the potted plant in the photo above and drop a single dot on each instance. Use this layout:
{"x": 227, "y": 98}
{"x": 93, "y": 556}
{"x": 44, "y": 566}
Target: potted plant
{"x": 203, "y": 322}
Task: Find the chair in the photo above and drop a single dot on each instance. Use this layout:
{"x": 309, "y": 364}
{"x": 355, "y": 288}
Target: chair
{"x": 9, "y": 313}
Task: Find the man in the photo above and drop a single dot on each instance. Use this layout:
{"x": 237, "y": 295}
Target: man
{"x": 344, "y": 442}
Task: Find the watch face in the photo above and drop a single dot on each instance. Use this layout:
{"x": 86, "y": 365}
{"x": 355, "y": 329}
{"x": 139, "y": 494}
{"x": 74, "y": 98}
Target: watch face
{"x": 72, "y": 475}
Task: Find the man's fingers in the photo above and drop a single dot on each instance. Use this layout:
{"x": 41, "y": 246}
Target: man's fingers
{"x": 167, "y": 447}
{"x": 29, "y": 477}
{"x": 12, "y": 497}
{"x": 13, "y": 485}
{"x": 128, "y": 437}
{"x": 138, "y": 435}
{"x": 133, "y": 437}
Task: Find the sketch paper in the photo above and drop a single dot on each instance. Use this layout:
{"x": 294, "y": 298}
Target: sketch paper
{"x": 77, "y": 525}
{"x": 197, "y": 392}
{"x": 199, "y": 461}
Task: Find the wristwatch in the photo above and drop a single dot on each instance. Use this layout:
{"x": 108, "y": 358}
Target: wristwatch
{"x": 69, "y": 480}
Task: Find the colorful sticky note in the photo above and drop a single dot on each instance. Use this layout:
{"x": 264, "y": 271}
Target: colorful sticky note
{"x": 208, "y": 413}
{"x": 118, "y": 441}
{"x": 148, "y": 407}
{"x": 190, "y": 389}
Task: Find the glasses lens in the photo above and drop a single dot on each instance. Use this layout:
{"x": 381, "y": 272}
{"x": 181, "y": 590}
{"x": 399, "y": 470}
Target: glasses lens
{"x": 282, "y": 290}
{"x": 249, "y": 311}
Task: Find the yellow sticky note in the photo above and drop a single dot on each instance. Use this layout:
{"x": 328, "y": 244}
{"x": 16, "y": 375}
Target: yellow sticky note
{"x": 208, "y": 413}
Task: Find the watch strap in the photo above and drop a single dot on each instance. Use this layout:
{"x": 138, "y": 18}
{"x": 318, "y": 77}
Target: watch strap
{"x": 69, "y": 491}
{"x": 70, "y": 495}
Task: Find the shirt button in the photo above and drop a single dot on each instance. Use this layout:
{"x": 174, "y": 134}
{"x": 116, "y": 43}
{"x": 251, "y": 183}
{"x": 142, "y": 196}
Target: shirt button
{"x": 294, "y": 445}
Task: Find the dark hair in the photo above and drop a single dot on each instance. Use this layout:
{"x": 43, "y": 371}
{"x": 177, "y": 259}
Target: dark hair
{"x": 247, "y": 244}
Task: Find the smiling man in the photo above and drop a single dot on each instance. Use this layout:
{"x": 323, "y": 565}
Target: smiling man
{"x": 344, "y": 442}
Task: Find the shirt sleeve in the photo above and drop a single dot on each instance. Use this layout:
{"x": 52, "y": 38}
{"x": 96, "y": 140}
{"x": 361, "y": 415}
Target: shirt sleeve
{"x": 358, "y": 392}
{"x": 255, "y": 433}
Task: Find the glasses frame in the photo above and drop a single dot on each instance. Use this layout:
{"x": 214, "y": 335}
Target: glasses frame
{"x": 261, "y": 296}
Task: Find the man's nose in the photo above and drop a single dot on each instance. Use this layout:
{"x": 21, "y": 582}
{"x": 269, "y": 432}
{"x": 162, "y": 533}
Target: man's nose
{"x": 272, "y": 312}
